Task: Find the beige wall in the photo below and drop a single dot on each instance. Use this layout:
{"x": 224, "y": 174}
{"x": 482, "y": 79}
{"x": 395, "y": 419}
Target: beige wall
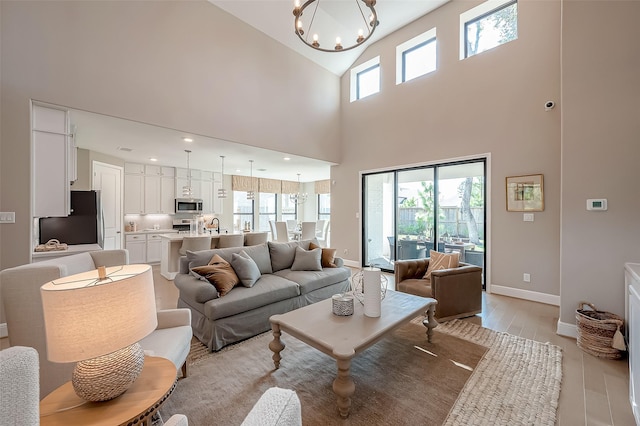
{"x": 182, "y": 65}
{"x": 490, "y": 103}
{"x": 600, "y": 151}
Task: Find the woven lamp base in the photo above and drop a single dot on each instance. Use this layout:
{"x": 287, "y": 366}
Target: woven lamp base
{"x": 108, "y": 376}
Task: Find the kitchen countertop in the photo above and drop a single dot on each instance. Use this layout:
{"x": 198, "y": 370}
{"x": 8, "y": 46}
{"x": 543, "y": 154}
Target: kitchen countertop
{"x": 152, "y": 231}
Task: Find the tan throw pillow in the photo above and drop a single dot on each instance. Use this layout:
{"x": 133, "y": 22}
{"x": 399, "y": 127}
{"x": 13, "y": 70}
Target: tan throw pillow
{"x": 328, "y": 256}
{"x": 441, "y": 261}
{"x": 219, "y": 273}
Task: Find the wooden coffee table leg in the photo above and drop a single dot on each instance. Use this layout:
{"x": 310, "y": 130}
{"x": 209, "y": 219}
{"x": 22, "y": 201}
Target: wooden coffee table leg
{"x": 344, "y": 387}
{"x": 276, "y": 345}
{"x": 430, "y": 322}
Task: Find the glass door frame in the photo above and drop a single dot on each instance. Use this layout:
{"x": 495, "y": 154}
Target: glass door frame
{"x": 484, "y": 160}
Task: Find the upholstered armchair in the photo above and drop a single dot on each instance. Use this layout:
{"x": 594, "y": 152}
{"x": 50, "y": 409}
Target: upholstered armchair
{"x": 457, "y": 290}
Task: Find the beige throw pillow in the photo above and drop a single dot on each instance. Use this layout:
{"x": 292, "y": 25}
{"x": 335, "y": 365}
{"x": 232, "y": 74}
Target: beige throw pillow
{"x": 328, "y": 256}
{"x": 219, "y": 273}
{"x": 441, "y": 261}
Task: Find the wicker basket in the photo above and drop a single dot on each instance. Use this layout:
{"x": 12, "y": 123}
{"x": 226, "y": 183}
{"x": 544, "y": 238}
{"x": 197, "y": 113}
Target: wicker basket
{"x": 596, "y": 331}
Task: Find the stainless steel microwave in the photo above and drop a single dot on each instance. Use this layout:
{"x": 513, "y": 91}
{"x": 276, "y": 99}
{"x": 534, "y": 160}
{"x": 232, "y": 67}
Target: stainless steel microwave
{"x": 188, "y": 205}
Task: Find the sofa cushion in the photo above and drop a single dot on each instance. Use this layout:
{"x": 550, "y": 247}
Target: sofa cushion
{"x": 194, "y": 290}
{"x": 441, "y": 261}
{"x": 328, "y": 255}
{"x": 219, "y": 273}
{"x": 259, "y": 253}
{"x": 307, "y": 260}
{"x": 267, "y": 290}
{"x": 313, "y": 280}
{"x": 283, "y": 254}
{"x": 246, "y": 268}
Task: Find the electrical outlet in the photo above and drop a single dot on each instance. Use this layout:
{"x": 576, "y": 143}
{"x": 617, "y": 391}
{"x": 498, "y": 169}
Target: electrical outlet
{"x": 526, "y": 278}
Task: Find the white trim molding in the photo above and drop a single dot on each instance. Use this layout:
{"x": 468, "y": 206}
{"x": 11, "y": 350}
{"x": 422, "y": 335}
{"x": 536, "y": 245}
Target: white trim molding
{"x": 4, "y": 332}
{"x": 533, "y": 296}
{"x": 567, "y": 330}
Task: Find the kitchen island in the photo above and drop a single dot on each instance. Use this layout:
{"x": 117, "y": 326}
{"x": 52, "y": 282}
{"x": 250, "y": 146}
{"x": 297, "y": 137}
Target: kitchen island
{"x": 171, "y": 243}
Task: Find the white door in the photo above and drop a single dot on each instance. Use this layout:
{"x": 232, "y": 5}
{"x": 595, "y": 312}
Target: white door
{"x": 107, "y": 178}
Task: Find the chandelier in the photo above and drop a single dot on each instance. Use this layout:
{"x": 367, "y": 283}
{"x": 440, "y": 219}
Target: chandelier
{"x": 187, "y": 190}
{"x": 222, "y": 193}
{"x": 299, "y": 197}
{"x": 369, "y": 24}
{"x": 250, "y": 194}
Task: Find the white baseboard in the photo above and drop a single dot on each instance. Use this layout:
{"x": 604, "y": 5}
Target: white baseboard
{"x": 3, "y": 330}
{"x": 533, "y": 296}
{"x": 351, "y": 263}
{"x": 566, "y": 329}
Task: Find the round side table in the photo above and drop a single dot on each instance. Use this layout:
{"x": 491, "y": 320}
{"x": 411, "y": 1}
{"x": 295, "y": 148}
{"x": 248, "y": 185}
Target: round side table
{"x": 134, "y": 407}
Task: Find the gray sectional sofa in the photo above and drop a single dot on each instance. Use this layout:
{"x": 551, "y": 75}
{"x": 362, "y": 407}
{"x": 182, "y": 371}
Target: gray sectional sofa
{"x": 244, "y": 311}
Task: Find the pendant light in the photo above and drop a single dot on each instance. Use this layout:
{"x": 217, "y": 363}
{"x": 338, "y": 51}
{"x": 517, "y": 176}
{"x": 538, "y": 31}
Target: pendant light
{"x": 250, "y": 194}
{"x": 298, "y": 198}
{"x": 222, "y": 193}
{"x": 187, "y": 190}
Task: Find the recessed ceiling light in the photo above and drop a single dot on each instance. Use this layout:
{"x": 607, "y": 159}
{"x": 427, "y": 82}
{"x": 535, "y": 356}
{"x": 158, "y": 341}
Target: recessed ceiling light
{"x": 238, "y": 170}
{"x": 287, "y": 158}
{"x": 187, "y": 139}
{"x": 262, "y": 170}
{"x": 153, "y": 159}
{"x": 124, "y": 148}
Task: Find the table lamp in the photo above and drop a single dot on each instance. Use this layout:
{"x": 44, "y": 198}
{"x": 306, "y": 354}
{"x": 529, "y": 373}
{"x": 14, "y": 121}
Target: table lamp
{"x": 96, "y": 319}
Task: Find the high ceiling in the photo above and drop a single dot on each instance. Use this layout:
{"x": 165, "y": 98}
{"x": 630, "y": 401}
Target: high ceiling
{"x": 333, "y": 18}
{"x": 275, "y": 19}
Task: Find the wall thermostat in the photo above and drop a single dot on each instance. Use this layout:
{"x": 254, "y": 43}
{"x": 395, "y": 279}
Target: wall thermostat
{"x": 597, "y": 204}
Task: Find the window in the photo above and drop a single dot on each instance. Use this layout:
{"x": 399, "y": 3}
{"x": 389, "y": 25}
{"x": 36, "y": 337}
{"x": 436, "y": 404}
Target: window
{"x": 267, "y": 210}
{"x": 365, "y": 79}
{"x": 416, "y": 57}
{"x": 242, "y": 211}
{"x": 324, "y": 206}
{"x": 289, "y": 208}
{"x": 488, "y": 25}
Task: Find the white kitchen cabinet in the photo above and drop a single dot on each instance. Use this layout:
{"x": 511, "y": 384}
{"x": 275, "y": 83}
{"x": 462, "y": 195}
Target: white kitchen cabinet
{"x": 632, "y": 311}
{"x": 136, "y": 244}
{"x": 52, "y": 166}
{"x": 134, "y": 168}
{"x": 206, "y": 190}
{"x": 133, "y": 193}
{"x": 154, "y": 248}
{"x": 167, "y": 194}
{"x": 152, "y": 191}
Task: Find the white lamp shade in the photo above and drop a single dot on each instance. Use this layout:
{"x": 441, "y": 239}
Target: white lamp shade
{"x": 86, "y": 317}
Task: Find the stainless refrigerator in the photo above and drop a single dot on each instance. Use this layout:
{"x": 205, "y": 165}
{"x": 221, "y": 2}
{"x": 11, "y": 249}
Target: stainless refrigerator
{"x": 83, "y": 226}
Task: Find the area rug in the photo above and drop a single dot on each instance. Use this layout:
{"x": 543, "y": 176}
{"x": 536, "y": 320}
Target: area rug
{"x": 468, "y": 376}
{"x": 402, "y": 379}
{"x": 517, "y": 382}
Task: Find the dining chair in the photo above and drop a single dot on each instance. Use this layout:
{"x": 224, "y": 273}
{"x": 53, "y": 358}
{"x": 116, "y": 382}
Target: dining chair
{"x": 292, "y": 224}
{"x": 255, "y": 238}
{"x": 308, "y": 230}
{"x": 320, "y": 227}
{"x": 282, "y": 233}
{"x": 193, "y": 243}
{"x": 323, "y": 237}
{"x": 230, "y": 240}
{"x": 272, "y": 225}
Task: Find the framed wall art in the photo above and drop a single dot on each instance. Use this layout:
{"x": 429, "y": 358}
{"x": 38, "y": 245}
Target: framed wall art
{"x": 525, "y": 193}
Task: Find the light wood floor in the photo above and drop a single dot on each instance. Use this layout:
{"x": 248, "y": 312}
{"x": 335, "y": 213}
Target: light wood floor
{"x": 594, "y": 391}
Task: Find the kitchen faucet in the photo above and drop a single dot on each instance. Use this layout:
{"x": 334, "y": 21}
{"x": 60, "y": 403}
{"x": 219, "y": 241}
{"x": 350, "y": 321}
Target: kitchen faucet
{"x": 217, "y": 227}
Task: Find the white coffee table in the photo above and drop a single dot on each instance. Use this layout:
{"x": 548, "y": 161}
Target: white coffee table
{"x": 343, "y": 338}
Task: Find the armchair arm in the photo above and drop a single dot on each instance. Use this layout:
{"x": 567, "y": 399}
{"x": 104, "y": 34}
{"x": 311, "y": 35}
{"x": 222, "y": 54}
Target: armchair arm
{"x": 169, "y": 318}
{"x": 458, "y": 291}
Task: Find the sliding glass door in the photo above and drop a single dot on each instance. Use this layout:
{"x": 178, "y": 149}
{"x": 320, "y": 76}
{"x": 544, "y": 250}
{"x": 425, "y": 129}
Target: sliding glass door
{"x": 408, "y": 212}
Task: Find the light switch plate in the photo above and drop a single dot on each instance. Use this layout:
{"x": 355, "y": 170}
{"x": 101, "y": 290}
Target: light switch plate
{"x": 7, "y": 217}
{"x": 527, "y": 217}
{"x": 597, "y": 204}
